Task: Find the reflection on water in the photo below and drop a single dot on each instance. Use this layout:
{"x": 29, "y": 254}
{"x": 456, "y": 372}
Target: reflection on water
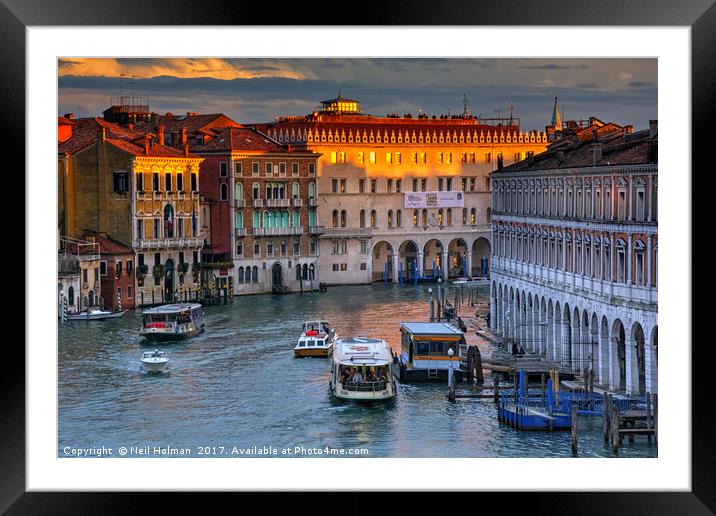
{"x": 238, "y": 384}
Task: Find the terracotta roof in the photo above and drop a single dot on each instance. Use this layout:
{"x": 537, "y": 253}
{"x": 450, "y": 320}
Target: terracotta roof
{"x": 61, "y": 120}
{"x": 192, "y": 123}
{"x": 107, "y": 244}
{"x": 86, "y": 132}
{"x": 616, "y": 149}
{"x": 241, "y": 139}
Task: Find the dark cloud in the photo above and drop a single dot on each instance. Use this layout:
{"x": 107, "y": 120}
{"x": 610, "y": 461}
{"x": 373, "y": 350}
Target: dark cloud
{"x": 587, "y": 85}
{"x": 552, "y": 66}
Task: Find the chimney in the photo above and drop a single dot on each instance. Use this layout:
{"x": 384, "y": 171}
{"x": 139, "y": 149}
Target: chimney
{"x": 102, "y": 133}
{"x": 183, "y": 135}
{"x": 147, "y": 144}
{"x": 70, "y": 116}
{"x": 160, "y": 134}
{"x": 186, "y": 150}
{"x": 288, "y": 147}
{"x": 653, "y": 128}
{"x": 596, "y": 153}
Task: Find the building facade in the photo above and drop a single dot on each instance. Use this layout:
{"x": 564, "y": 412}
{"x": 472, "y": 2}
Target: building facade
{"x": 119, "y": 181}
{"x": 262, "y": 199}
{"x": 116, "y": 272}
{"x": 574, "y": 265}
{"x": 402, "y": 196}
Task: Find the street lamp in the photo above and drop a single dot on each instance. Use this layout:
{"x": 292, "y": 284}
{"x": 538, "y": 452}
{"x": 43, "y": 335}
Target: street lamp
{"x": 432, "y": 305}
{"x": 440, "y": 300}
{"x": 451, "y": 382}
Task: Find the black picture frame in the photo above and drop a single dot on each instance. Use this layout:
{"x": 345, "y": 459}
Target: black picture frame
{"x": 700, "y": 15}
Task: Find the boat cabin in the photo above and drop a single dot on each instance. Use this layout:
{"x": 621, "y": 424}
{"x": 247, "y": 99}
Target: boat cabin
{"x": 177, "y": 320}
{"x": 361, "y": 369}
{"x": 424, "y": 351}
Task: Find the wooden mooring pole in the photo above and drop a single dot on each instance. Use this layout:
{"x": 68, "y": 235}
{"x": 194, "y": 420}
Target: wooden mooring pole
{"x": 496, "y": 388}
{"x": 648, "y": 416}
{"x": 605, "y": 416}
{"x": 615, "y": 429}
{"x": 574, "y": 429}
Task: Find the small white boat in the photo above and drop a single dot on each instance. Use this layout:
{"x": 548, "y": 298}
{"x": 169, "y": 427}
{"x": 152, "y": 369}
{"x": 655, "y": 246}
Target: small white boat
{"x": 316, "y": 340}
{"x": 155, "y": 361}
{"x": 361, "y": 370}
{"x": 95, "y": 315}
{"x": 173, "y": 321}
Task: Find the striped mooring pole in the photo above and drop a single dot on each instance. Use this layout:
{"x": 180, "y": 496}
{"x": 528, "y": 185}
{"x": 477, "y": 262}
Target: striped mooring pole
{"x": 63, "y": 306}
{"x": 119, "y": 301}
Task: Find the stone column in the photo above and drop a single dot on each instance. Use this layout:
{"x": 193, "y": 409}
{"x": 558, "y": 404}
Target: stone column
{"x": 613, "y": 361}
{"x": 468, "y": 258}
{"x": 565, "y": 352}
{"x": 648, "y": 261}
{"x": 632, "y": 368}
{"x": 651, "y": 366}
{"x": 493, "y": 309}
{"x": 629, "y": 259}
{"x": 420, "y": 258}
{"x": 396, "y": 270}
{"x": 444, "y": 265}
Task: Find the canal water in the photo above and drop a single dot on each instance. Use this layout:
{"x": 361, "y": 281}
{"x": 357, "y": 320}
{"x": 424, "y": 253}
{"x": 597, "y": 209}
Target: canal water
{"x": 238, "y": 386}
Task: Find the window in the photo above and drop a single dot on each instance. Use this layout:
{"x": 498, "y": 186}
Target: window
{"x": 440, "y": 184}
{"x": 140, "y": 182}
{"x": 421, "y": 157}
{"x": 415, "y": 217}
{"x": 121, "y": 183}
{"x": 364, "y": 247}
{"x": 464, "y": 184}
{"x": 257, "y": 249}
{"x": 415, "y": 185}
{"x": 223, "y": 169}
{"x": 155, "y": 181}
{"x": 224, "y": 192}
{"x": 414, "y": 157}
{"x": 472, "y": 184}
{"x": 335, "y": 267}
{"x": 423, "y": 185}
{"x": 284, "y": 249}
{"x": 311, "y": 169}
{"x": 168, "y": 182}
{"x": 373, "y": 218}
{"x": 296, "y": 247}
{"x": 388, "y": 158}
{"x": 180, "y": 181}
{"x": 254, "y": 169}
{"x": 343, "y": 218}
{"x": 282, "y": 169}
{"x": 390, "y": 218}
{"x": 488, "y": 157}
{"x": 361, "y": 185}
{"x": 129, "y": 292}
{"x": 269, "y": 169}
{"x": 373, "y": 185}
{"x": 448, "y": 182}
{"x": 140, "y": 229}
{"x": 398, "y": 183}
{"x": 194, "y": 186}
{"x": 398, "y": 218}
{"x": 294, "y": 169}
{"x": 156, "y": 229}
{"x": 372, "y": 157}
{"x": 397, "y": 158}
{"x": 390, "y": 186}
{"x": 344, "y": 266}
{"x": 334, "y": 185}
{"x": 342, "y": 188}
{"x": 103, "y": 268}
{"x": 269, "y": 248}
{"x": 237, "y": 168}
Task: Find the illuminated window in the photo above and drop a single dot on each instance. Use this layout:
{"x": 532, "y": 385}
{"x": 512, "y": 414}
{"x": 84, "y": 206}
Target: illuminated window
{"x": 333, "y": 157}
{"x": 415, "y": 217}
{"x": 397, "y": 158}
{"x": 341, "y": 157}
{"x": 440, "y": 217}
{"x": 440, "y": 157}
{"x": 388, "y": 158}
{"x": 421, "y": 157}
{"x": 423, "y": 185}
{"x": 414, "y": 157}
{"x": 361, "y": 157}
{"x": 372, "y": 157}
{"x": 398, "y": 183}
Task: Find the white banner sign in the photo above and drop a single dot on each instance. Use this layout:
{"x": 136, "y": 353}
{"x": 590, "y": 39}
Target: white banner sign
{"x": 434, "y": 200}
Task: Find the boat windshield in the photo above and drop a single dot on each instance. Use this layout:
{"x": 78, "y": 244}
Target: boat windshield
{"x": 184, "y": 317}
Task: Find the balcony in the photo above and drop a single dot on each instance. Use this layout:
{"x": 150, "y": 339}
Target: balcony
{"x": 258, "y": 203}
{"x": 348, "y": 232}
{"x": 285, "y": 231}
{"x": 240, "y": 232}
{"x": 278, "y": 203}
{"x": 316, "y": 230}
{"x": 239, "y": 203}
{"x": 296, "y": 202}
{"x": 313, "y": 202}
{"x": 167, "y": 243}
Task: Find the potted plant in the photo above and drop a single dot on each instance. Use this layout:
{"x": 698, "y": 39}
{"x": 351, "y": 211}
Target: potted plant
{"x": 195, "y": 270}
{"x": 158, "y": 272}
{"x": 142, "y": 271}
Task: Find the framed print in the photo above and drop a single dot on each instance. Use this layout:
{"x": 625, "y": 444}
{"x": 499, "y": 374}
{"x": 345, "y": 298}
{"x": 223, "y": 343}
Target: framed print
{"x": 431, "y": 247}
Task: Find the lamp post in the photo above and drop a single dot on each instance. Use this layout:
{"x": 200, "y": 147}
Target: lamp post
{"x": 440, "y": 301}
{"x": 432, "y": 305}
{"x": 451, "y": 380}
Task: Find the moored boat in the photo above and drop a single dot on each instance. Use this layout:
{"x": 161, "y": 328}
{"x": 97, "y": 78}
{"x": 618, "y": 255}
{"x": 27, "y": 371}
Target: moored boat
{"x": 174, "y": 321}
{"x": 316, "y": 340}
{"x": 95, "y": 315}
{"x": 360, "y": 370}
{"x": 155, "y": 361}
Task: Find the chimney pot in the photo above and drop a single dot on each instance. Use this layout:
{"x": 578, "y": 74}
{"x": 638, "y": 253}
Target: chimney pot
{"x": 186, "y": 150}
{"x": 183, "y": 135}
{"x": 70, "y": 116}
{"x": 103, "y": 132}
{"x": 160, "y": 134}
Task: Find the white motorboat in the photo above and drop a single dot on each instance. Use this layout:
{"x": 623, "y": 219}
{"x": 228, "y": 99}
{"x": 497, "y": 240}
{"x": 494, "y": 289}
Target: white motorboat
{"x": 361, "y": 370}
{"x": 95, "y": 315}
{"x": 155, "y": 361}
{"x": 173, "y": 321}
{"x": 316, "y": 340}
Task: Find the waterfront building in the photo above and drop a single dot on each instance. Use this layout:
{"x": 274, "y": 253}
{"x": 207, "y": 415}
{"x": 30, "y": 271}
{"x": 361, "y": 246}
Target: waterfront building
{"x": 78, "y": 277}
{"x": 402, "y": 195}
{"x": 261, "y": 198}
{"x": 120, "y": 181}
{"x": 116, "y": 272}
{"x": 574, "y": 263}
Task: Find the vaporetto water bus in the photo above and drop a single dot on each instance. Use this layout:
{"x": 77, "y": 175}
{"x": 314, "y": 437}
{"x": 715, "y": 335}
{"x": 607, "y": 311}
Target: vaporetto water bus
{"x": 360, "y": 370}
{"x": 174, "y": 321}
{"x": 316, "y": 340}
{"x": 424, "y": 352}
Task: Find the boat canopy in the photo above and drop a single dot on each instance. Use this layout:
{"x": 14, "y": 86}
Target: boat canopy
{"x": 362, "y": 350}
{"x": 428, "y": 329}
{"x": 171, "y": 309}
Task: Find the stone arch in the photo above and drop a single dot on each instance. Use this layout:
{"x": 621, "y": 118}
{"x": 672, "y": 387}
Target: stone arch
{"x": 652, "y": 362}
{"x": 433, "y": 258}
{"x": 637, "y": 360}
{"x": 618, "y": 354}
{"x": 457, "y": 258}
{"x": 557, "y": 342}
{"x": 543, "y": 327}
{"x": 594, "y": 345}
{"x": 382, "y": 257}
{"x": 481, "y": 250}
{"x": 604, "y": 351}
{"x": 409, "y": 252}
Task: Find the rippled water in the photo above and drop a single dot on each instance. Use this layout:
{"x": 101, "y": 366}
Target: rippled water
{"x": 238, "y": 385}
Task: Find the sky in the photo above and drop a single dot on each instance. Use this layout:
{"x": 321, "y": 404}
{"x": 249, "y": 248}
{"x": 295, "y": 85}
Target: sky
{"x": 620, "y": 90}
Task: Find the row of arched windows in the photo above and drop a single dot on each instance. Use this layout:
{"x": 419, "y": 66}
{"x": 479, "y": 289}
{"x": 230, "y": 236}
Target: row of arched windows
{"x": 249, "y": 274}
